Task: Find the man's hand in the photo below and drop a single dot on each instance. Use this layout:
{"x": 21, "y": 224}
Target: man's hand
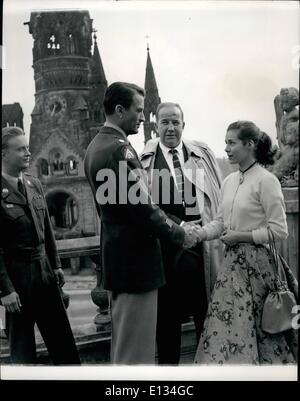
{"x": 11, "y": 302}
{"x": 230, "y": 237}
{"x": 196, "y": 228}
{"x": 191, "y": 237}
{"x": 59, "y": 274}
{"x": 201, "y": 234}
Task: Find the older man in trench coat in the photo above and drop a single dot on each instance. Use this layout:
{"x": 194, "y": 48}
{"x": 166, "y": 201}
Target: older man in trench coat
{"x": 190, "y": 274}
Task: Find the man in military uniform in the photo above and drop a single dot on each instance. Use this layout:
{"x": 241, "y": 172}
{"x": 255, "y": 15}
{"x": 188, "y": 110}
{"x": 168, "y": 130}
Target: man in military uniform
{"x": 30, "y": 271}
{"x": 131, "y": 257}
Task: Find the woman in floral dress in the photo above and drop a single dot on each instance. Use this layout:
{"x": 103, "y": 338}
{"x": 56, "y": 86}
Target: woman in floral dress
{"x": 251, "y": 202}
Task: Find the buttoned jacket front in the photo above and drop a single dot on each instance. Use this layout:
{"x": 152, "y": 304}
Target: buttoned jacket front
{"x": 25, "y": 225}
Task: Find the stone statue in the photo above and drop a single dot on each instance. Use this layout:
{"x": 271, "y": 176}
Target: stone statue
{"x": 286, "y": 167}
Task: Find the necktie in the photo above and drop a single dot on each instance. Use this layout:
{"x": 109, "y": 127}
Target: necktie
{"x": 21, "y": 187}
{"x": 178, "y": 173}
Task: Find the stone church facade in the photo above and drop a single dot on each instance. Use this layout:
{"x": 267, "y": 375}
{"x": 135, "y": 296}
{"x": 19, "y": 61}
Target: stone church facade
{"x": 69, "y": 89}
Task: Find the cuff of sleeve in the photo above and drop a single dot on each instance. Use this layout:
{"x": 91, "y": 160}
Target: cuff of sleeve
{"x": 57, "y": 264}
{"x": 8, "y": 289}
{"x": 182, "y": 223}
{"x": 209, "y": 233}
{"x": 260, "y": 236}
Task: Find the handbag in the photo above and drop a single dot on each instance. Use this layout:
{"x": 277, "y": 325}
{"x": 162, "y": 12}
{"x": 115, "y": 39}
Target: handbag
{"x": 278, "y": 309}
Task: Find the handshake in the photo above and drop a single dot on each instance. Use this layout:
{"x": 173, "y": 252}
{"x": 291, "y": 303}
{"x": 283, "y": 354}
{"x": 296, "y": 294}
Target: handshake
{"x": 194, "y": 233}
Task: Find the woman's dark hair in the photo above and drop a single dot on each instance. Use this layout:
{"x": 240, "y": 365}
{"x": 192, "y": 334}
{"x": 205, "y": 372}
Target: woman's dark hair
{"x": 247, "y": 130}
{"x": 120, "y": 93}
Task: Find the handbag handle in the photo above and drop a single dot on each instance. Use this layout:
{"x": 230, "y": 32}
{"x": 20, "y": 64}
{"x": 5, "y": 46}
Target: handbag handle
{"x": 273, "y": 251}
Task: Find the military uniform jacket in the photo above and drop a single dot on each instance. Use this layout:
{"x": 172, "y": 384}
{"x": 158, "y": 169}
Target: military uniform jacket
{"x": 130, "y": 250}
{"x": 25, "y": 225}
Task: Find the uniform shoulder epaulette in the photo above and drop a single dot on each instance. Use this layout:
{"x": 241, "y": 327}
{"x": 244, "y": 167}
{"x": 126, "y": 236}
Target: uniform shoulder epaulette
{"x": 29, "y": 175}
{"x": 120, "y": 140}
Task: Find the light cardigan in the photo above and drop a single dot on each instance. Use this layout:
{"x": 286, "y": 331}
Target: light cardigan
{"x": 250, "y": 206}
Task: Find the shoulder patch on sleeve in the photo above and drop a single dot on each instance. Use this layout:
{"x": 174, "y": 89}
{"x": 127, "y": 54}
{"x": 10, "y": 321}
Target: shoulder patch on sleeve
{"x": 128, "y": 154}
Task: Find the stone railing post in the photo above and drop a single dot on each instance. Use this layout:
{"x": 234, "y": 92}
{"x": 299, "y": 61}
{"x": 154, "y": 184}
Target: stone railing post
{"x": 289, "y": 247}
{"x": 100, "y": 298}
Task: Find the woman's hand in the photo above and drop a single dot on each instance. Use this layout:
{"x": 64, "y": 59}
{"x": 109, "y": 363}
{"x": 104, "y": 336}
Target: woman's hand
{"x": 230, "y": 237}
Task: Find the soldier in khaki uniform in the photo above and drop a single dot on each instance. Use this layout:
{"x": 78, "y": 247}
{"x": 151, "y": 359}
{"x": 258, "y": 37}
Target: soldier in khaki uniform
{"x": 30, "y": 271}
{"x": 131, "y": 256}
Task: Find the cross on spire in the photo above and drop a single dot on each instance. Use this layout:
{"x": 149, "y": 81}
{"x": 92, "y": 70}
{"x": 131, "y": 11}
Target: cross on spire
{"x": 94, "y": 30}
{"x": 147, "y": 37}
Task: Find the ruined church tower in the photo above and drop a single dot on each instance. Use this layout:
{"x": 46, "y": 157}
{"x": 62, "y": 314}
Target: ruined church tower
{"x": 69, "y": 89}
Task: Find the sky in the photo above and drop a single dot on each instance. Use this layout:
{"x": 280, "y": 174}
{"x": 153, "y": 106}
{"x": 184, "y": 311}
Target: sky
{"x": 221, "y": 61}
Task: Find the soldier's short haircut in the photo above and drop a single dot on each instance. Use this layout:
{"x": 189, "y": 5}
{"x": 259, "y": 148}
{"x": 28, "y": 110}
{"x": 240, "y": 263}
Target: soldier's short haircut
{"x": 162, "y": 105}
{"x": 8, "y": 133}
{"x": 120, "y": 93}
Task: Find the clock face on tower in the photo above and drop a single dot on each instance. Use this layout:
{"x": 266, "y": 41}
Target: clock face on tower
{"x": 55, "y": 105}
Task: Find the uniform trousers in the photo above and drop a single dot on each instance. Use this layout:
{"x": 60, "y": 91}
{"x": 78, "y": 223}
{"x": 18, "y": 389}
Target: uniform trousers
{"x": 41, "y": 304}
{"x": 133, "y": 318}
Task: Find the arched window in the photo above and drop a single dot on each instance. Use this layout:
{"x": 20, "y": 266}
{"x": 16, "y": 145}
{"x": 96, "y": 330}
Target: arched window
{"x": 152, "y": 117}
{"x": 71, "y": 44}
{"x": 56, "y": 158}
{"x": 43, "y": 167}
{"x": 63, "y": 209}
{"x": 72, "y": 165}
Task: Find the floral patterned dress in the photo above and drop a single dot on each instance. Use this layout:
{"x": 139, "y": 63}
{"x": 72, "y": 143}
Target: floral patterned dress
{"x": 232, "y": 331}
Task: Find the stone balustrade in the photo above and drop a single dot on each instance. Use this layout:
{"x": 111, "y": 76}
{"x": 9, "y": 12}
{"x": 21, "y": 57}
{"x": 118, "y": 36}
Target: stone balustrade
{"x": 289, "y": 248}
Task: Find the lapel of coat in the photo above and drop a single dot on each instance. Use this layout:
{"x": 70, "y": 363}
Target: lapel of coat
{"x": 147, "y": 158}
{"x": 30, "y": 190}
{"x": 195, "y": 172}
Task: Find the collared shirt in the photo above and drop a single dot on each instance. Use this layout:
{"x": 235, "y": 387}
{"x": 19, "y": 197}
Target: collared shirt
{"x": 111, "y": 125}
{"x": 169, "y": 157}
{"x": 13, "y": 181}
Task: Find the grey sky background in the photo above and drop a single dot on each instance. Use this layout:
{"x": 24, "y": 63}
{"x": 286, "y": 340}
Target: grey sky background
{"x": 222, "y": 61}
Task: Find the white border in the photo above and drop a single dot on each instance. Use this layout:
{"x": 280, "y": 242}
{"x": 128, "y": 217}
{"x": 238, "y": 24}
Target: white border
{"x": 157, "y": 373}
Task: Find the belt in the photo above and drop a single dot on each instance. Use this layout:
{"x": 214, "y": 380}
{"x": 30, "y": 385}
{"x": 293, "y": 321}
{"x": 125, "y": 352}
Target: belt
{"x": 26, "y": 253}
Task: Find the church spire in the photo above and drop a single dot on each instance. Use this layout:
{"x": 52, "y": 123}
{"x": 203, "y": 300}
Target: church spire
{"x": 152, "y": 99}
{"x": 97, "y": 70}
{"x": 98, "y": 84}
